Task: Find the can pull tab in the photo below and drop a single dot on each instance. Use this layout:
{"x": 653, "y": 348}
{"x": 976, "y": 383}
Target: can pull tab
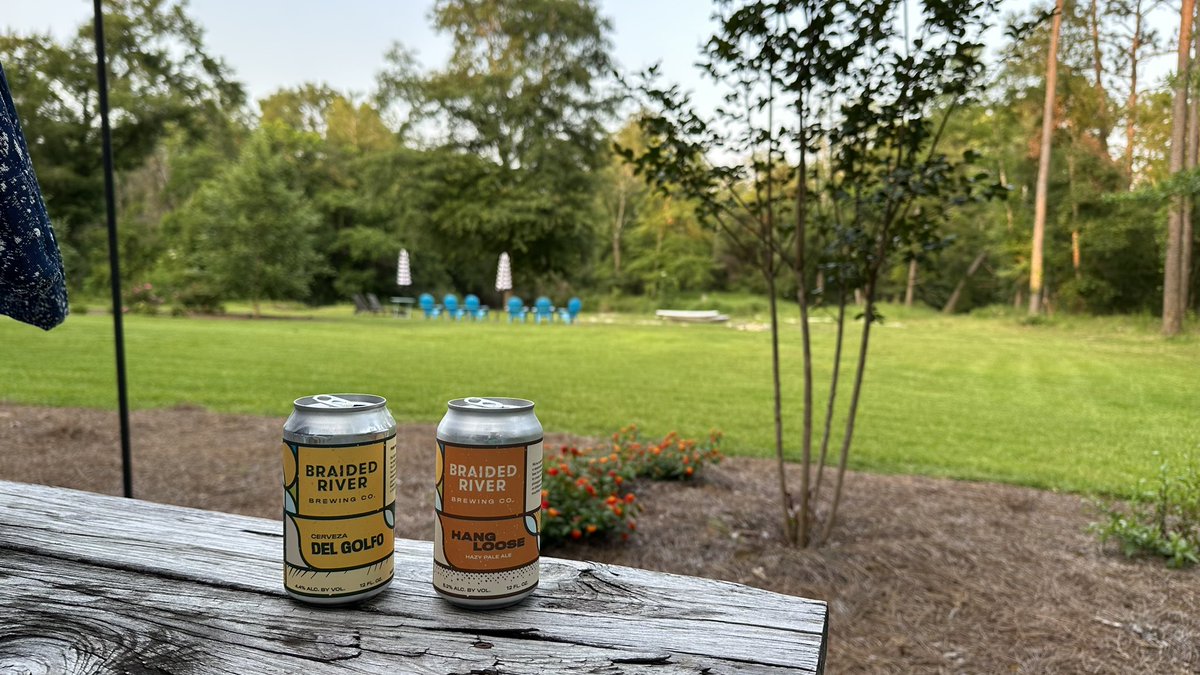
{"x": 476, "y": 402}
{"x": 331, "y": 401}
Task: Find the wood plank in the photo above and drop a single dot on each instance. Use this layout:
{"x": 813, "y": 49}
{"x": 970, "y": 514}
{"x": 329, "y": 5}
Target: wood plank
{"x": 202, "y": 591}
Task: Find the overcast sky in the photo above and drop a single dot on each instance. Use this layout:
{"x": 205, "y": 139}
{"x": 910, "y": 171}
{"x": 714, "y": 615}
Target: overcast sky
{"x": 281, "y": 43}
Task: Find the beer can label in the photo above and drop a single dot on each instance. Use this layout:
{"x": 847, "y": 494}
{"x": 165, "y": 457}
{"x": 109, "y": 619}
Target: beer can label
{"x": 488, "y": 506}
{"x": 339, "y": 511}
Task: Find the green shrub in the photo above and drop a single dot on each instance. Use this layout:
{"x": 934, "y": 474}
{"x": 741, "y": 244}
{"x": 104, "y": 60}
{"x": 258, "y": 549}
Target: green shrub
{"x": 141, "y": 299}
{"x": 1162, "y": 519}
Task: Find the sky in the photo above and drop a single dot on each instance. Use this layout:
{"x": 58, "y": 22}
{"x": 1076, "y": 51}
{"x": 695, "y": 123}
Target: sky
{"x": 283, "y": 43}
{"x": 279, "y": 43}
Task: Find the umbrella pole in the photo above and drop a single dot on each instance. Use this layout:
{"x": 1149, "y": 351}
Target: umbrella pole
{"x": 113, "y": 257}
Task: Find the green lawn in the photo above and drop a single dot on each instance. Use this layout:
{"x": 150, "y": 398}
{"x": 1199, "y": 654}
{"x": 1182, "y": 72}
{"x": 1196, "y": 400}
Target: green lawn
{"x": 1077, "y": 405}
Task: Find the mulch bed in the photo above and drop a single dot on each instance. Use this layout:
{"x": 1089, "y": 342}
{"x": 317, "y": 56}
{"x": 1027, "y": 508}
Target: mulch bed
{"x": 922, "y": 574}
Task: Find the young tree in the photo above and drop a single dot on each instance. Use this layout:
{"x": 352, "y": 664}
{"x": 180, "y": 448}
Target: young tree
{"x": 882, "y": 154}
{"x": 250, "y": 232}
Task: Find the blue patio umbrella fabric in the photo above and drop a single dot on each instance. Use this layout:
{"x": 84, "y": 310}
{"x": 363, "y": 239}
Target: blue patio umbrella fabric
{"x": 32, "y": 282}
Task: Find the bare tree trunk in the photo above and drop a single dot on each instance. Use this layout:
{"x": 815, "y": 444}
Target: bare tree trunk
{"x": 804, "y": 517}
{"x": 1172, "y": 322}
{"x": 1193, "y": 147}
{"x": 962, "y": 283}
{"x": 1102, "y": 122}
{"x": 912, "y": 283}
{"x": 833, "y": 384}
{"x": 1043, "y": 179}
{"x": 852, "y": 413}
{"x": 1131, "y": 104}
{"x": 1008, "y": 211}
{"x": 769, "y": 260}
{"x": 618, "y": 225}
{"x": 1075, "y": 256}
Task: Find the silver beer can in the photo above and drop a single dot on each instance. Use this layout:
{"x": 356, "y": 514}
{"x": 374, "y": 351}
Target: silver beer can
{"x": 339, "y": 498}
{"x": 488, "y": 502}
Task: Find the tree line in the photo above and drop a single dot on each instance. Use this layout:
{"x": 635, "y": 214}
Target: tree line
{"x": 524, "y": 141}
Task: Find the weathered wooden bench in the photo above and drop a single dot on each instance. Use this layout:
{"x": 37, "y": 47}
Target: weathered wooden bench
{"x": 97, "y": 584}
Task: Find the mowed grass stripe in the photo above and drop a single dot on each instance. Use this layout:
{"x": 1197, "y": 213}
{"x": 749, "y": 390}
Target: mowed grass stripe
{"x": 1079, "y": 407}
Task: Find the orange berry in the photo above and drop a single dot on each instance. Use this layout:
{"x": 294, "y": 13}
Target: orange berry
{"x": 612, "y": 499}
{"x": 629, "y": 498}
{"x": 591, "y": 490}
{"x": 545, "y": 504}
{"x": 689, "y": 471}
{"x": 591, "y": 529}
{"x": 617, "y": 510}
{"x": 552, "y": 471}
{"x": 576, "y": 534}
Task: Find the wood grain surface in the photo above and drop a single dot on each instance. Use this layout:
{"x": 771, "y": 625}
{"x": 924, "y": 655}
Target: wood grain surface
{"x": 97, "y": 584}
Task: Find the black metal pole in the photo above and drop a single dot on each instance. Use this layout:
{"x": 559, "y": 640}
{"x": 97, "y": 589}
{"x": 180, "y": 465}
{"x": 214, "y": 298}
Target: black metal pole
{"x": 114, "y": 265}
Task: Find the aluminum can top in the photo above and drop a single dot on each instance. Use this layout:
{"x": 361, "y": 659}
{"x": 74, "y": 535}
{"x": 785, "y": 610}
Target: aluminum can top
{"x": 491, "y": 404}
{"x": 332, "y": 403}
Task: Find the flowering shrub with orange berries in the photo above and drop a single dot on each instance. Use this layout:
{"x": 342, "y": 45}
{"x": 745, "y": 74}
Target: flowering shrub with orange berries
{"x": 586, "y": 492}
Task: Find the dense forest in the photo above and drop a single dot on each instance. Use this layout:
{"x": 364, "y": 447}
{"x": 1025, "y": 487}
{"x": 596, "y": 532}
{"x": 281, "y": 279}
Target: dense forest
{"x": 526, "y": 141}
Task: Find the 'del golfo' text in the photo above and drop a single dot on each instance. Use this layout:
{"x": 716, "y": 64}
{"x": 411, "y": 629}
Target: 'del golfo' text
{"x": 473, "y": 478}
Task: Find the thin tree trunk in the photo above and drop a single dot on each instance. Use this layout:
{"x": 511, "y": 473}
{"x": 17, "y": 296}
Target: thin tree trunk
{"x": 1193, "y": 147}
{"x": 1172, "y": 321}
{"x": 1008, "y": 210}
{"x": 962, "y": 283}
{"x": 852, "y": 413}
{"x": 1075, "y": 257}
{"x": 833, "y": 384}
{"x": 911, "y": 286}
{"x": 1131, "y": 104}
{"x": 1043, "y": 179}
{"x": 618, "y": 225}
{"x": 803, "y": 518}
{"x": 1102, "y": 122}
{"x": 769, "y": 266}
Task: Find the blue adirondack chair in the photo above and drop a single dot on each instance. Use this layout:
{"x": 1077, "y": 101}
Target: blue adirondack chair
{"x": 474, "y": 309}
{"x": 516, "y": 309}
{"x": 450, "y": 302}
{"x": 431, "y": 310}
{"x": 569, "y": 313}
{"x": 542, "y": 309}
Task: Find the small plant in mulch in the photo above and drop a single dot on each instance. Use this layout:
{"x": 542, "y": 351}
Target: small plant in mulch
{"x": 1162, "y": 519}
{"x": 587, "y": 492}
